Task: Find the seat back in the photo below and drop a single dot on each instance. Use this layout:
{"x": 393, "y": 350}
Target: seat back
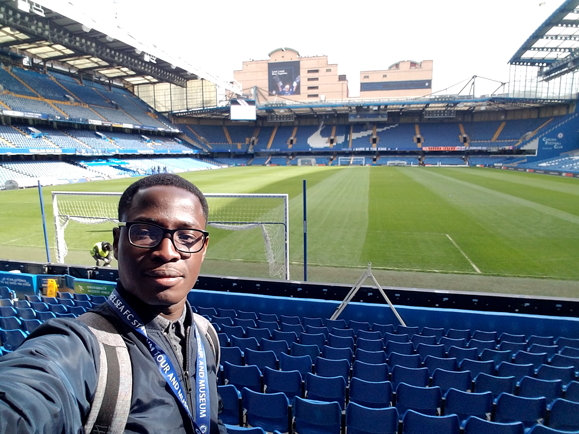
{"x": 311, "y": 416}
{"x": 364, "y": 420}
{"x": 426, "y": 400}
{"x": 418, "y": 423}
{"x": 370, "y": 371}
{"x": 243, "y": 376}
{"x": 476, "y": 425}
{"x": 373, "y": 394}
{"x": 231, "y": 397}
{"x": 326, "y": 389}
{"x": 446, "y": 380}
{"x": 270, "y": 411}
{"x": 288, "y": 382}
{"x": 512, "y": 408}
{"x": 465, "y": 404}
{"x": 564, "y": 415}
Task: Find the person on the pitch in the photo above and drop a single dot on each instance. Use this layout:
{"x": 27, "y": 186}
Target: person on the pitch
{"x": 101, "y": 251}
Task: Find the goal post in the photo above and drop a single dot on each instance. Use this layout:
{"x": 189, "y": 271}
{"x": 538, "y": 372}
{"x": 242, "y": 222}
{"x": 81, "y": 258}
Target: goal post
{"x": 351, "y": 161}
{"x": 238, "y": 220}
{"x": 306, "y": 161}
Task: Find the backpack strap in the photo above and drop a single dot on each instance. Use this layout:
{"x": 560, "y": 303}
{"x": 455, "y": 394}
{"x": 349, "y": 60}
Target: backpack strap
{"x": 208, "y": 330}
{"x": 111, "y": 404}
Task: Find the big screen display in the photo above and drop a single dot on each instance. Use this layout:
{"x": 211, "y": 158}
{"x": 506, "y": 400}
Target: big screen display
{"x": 284, "y": 78}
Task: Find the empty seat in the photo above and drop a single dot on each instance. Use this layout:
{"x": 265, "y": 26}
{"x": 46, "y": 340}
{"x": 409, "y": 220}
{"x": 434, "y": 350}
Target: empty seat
{"x": 432, "y": 363}
{"x": 437, "y": 332}
{"x": 373, "y": 394}
{"x": 564, "y": 415}
{"x": 243, "y": 376}
{"x": 507, "y": 369}
{"x": 426, "y": 400}
{"x": 302, "y": 349}
{"x": 318, "y": 339}
{"x": 370, "y": 356}
{"x": 370, "y": 344}
{"x": 477, "y": 366}
{"x": 465, "y": 404}
{"x": 358, "y": 325}
{"x": 408, "y": 360}
{"x": 512, "y": 408}
{"x": 288, "y": 382}
{"x": 412, "y": 376}
{"x": 370, "y": 371}
{"x": 531, "y": 387}
{"x": 337, "y": 353}
{"x": 418, "y": 423}
{"x": 496, "y": 385}
{"x": 261, "y": 359}
{"x": 363, "y": 420}
{"x": 326, "y": 389}
{"x": 231, "y": 398}
{"x": 311, "y": 416}
{"x": 270, "y": 411}
{"x": 509, "y": 337}
{"x": 303, "y": 364}
{"x": 476, "y": 425}
{"x": 460, "y": 380}
{"x": 332, "y": 368}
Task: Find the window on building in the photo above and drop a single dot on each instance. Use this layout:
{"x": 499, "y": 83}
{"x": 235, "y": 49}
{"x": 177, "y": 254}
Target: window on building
{"x": 329, "y": 70}
{"x": 384, "y": 75}
{"x": 366, "y": 77}
{"x": 313, "y": 87}
{"x": 313, "y": 95}
{"x": 313, "y": 71}
{"x": 313, "y": 79}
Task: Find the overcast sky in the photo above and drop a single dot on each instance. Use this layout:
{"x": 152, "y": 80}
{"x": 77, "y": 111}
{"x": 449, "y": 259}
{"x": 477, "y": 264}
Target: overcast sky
{"x": 463, "y": 37}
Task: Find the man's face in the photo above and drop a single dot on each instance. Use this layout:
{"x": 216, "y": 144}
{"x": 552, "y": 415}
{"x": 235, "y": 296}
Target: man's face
{"x": 161, "y": 276}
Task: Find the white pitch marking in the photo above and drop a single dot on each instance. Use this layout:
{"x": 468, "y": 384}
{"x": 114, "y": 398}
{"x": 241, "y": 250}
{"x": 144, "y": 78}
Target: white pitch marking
{"x": 463, "y": 254}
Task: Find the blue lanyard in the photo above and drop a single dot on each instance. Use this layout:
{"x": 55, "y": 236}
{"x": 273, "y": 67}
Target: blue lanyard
{"x": 166, "y": 368}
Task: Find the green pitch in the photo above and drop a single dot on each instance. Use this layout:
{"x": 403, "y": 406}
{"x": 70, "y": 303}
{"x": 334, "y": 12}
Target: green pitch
{"x": 461, "y": 222}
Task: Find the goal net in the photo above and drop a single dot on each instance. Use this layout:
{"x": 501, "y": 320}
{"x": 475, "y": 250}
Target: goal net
{"x": 351, "y": 161}
{"x": 306, "y": 161}
{"x": 243, "y": 227}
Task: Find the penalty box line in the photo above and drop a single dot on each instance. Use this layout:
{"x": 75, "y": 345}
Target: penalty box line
{"x": 463, "y": 254}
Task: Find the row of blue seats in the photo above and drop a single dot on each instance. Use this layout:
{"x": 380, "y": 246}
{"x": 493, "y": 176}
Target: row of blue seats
{"x": 272, "y": 411}
{"x": 230, "y": 316}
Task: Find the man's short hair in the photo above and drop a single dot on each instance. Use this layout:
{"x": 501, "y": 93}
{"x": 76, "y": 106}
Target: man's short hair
{"x": 167, "y": 179}
{"x": 107, "y": 246}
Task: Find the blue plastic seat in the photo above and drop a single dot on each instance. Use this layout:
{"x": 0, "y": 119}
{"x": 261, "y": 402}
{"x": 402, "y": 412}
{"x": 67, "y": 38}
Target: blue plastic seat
{"x": 6, "y": 293}
{"x": 563, "y": 341}
{"x": 29, "y": 325}
{"x": 433, "y": 363}
{"x": 370, "y": 344}
{"x": 317, "y": 330}
{"x": 383, "y": 328}
{"x": 419, "y": 423}
{"x": 231, "y": 397}
{"x": 257, "y": 333}
{"x": 561, "y": 360}
{"x": 6, "y": 302}
{"x": 514, "y": 347}
{"x": 337, "y": 353}
{"x": 477, "y": 366}
{"x": 34, "y": 297}
{"x": 296, "y": 328}
{"x": 481, "y": 345}
{"x": 542, "y": 340}
{"x": 232, "y": 355}
{"x": 243, "y": 376}
{"x": 551, "y": 350}
{"x": 290, "y": 319}
{"x": 512, "y": 408}
{"x": 271, "y": 325}
{"x": 451, "y": 342}
{"x": 535, "y": 359}
{"x": 425, "y": 350}
{"x": 269, "y": 317}
{"x": 569, "y": 351}
{"x": 270, "y": 411}
{"x": 359, "y": 326}
{"x": 43, "y": 316}
{"x": 364, "y": 420}
{"x": 399, "y": 347}
{"x": 332, "y": 368}
{"x": 12, "y": 339}
{"x": 39, "y": 306}
{"x": 222, "y": 321}
{"x": 509, "y": 337}
{"x": 289, "y": 337}
{"x": 312, "y": 321}
{"x": 344, "y": 333}
{"x": 458, "y": 333}
{"x": 412, "y": 376}
{"x": 373, "y": 394}
{"x": 460, "y": 380}
{"x": 303, "y": 364}
{"x": 507, "y": 369}
{"x": 419, "y": 339}
{"x": 531, "y": 387}
{"x": 407, "y": 330}
{"x": 278, "y": 347}
{"x": 369, "y": 334}
{"x": 226, "y": 312}
{"x": 303, "y": 349}
{"x": 564, "y": 415}
{"x": 66, "y": 302}
{"x": 437, "y": 332}
{"x": 466, "y": 404}
{"x": 542, "y": 429}
{"x": 572, "y": 391}
{"x": 335, "y": 323}
{"x": 318, "y": 339}
{"x": 261, "y": 359}
{"x": 341, "y": 342}
{"x": 10, "y": 323}
{"x": 370, "y": 356}
{"x": 317, "y": 417}
{"x": 246, "y": 315}
{"x": 21, "y": 304}
{"x": 7, "y": 311}
{"x": 497, "y": 356}
{"x": 483, "y": 335}
{"x": 326, "y": 389}
{"x": 476, "y": 425}
{"x": 407, "y": 360}
{"x": 496, "y": 385}
{"x": 244, "y": 322}
{"x": 244, "y": 343}
{"x": 232, "y": 330}
{"x": 288, "y": 382}
{"x": 549, "y": 372}
{"x": 57, "y": 308}
{"x": 370, "y": 371}
{"x": 210, "y": 311}
{"x": 234, "y": 429}
{"x": 426, "y": 400}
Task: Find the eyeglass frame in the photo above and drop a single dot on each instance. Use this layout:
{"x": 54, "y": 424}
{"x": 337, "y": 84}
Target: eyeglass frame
{"x": 166, "y": 231}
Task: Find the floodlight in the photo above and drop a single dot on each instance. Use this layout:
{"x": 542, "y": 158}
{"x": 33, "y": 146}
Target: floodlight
{"x": 23, "y": 5}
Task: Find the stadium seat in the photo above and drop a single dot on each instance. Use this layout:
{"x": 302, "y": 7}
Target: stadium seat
{"x": 460, "y": 380}
{"x": 288, "y": 382}
{"x": 564, "y": 415}
{"x": 512, "y": 408}
{"x": 465, "y": 404}
{"x": 326, "y": 389}
{"x": 270, "y": 411}
{"x": 426, "y": 400}
{"x": 418, "y": 423}
{"x": 261, "y": 359}
{"x": 302, "y": 349}
{"x": 373, "y": 394}
{"x": 364, "y": 420}
{"x": 302, "y": 364}
{"x": 476, "y": 425}
{"x": 318, "y": 417}
{"x": 243, "y": 376}
{"x": 370, "y": 371}
{"x": 231, "y": 397}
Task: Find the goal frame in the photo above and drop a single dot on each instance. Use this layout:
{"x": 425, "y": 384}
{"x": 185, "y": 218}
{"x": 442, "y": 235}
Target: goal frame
{"x": 307, "y": 159}
{"x": 59, "y": 229}
{"x": 350, "y": 161}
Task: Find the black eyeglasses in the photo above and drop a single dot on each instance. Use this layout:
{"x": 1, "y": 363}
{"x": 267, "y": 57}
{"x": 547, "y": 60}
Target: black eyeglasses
{"x": 150, "y": 235}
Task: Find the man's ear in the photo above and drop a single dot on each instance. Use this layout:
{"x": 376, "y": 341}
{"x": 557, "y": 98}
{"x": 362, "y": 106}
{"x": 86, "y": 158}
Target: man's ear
{"x": 116, "y": 235}
{"x": 205, "y": 248}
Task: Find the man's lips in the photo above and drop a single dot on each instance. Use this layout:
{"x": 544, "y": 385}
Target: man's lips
{"x": 163, "y": 274}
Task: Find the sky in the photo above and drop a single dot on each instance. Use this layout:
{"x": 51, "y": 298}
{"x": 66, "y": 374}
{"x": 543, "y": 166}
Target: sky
{"x": 464, "y": 38}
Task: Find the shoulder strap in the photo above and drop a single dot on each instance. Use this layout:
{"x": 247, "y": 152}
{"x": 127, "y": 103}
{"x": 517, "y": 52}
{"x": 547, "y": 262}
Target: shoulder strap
{"x": 208, "y": 330}
{"x": 111, "y": 404}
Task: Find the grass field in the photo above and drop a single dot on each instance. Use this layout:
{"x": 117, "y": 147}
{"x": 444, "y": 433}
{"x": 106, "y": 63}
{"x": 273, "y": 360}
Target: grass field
{"x": 442, "y": 228}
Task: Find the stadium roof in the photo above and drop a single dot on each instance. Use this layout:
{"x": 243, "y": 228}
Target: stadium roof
{"x": 72, "y": 38}
{"x": 555, "y": 44}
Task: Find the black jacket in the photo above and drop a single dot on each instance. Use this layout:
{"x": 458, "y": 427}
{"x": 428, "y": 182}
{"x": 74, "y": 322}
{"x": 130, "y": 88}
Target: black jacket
{"x": 47, "y": 385}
